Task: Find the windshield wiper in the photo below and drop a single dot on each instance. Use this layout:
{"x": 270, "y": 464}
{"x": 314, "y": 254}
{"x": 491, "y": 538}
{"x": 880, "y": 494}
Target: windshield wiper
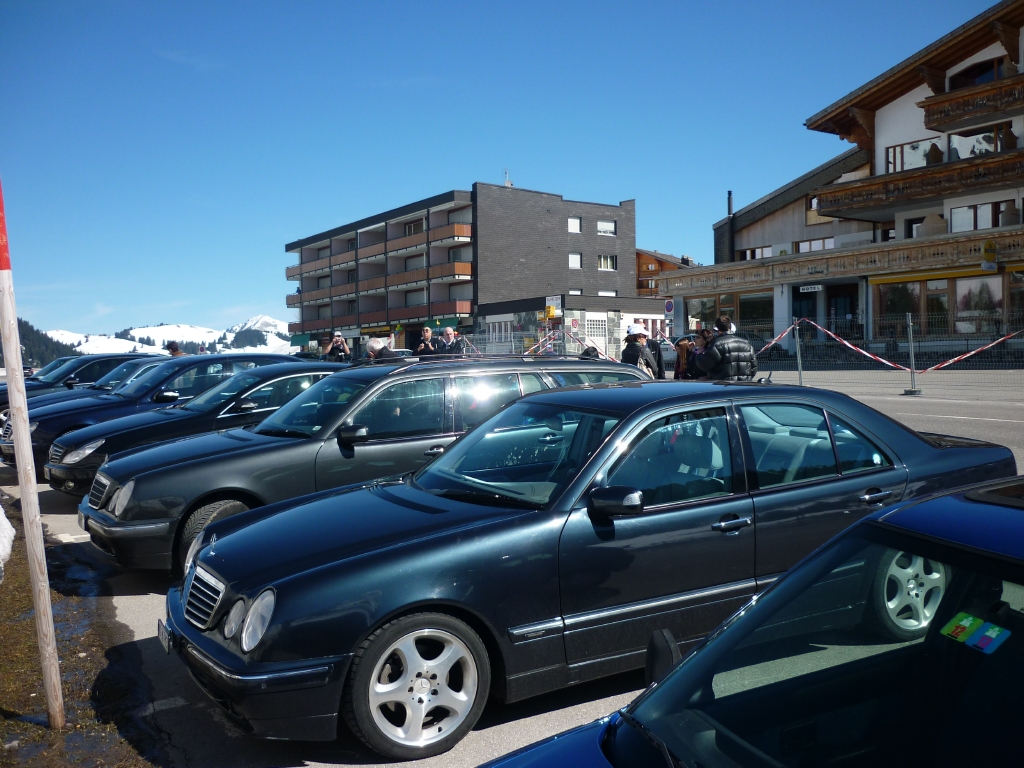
{"x": 493, "y": 499}
{"x": 282, "y": 432}
{"x": 671, "y": 760}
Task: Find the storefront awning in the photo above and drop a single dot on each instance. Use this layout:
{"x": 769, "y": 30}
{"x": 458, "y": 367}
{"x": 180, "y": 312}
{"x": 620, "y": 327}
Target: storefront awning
{"x": 300, "y": 340}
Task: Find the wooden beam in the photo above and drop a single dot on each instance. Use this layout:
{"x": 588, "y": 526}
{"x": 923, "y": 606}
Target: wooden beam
{"x": 934, "y": 78}
{"x": 1010, "y": 38}
{"x": 865, "y": 119}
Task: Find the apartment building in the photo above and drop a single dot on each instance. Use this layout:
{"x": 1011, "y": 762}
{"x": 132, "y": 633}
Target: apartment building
{"x": 921, "y": 216}
{"x": 485, "y": 260}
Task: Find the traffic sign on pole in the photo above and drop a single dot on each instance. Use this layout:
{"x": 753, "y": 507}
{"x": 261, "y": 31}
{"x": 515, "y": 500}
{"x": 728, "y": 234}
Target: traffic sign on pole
{"x": 669, "y": 307}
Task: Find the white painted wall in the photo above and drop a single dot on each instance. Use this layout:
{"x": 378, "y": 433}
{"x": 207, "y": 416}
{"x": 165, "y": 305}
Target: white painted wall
{"x": 994, "y": 51}
{"x": 900, "y": 121}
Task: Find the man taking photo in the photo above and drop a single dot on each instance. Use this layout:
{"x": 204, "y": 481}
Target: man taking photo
{"x": 337, "y": 350}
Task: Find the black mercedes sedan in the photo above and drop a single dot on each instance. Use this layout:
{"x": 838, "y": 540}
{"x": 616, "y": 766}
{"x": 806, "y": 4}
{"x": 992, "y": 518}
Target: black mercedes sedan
{"x": 243, "y": 399}
{"x": 124, "y": 373}
{"x": 365, "y": 422}
{"x": 540, "y": 550}
{"x": 77, "y": 371}
{"x": 175, "y": 380}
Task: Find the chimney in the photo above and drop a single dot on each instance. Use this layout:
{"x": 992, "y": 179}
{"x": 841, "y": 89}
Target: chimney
{"x": 730, "y": 202}
{"x": 730, "y": 241}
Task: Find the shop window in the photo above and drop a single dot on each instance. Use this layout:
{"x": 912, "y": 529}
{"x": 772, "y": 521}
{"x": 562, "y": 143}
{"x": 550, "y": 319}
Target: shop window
{"x": 979, "y": 304}
{"x": 970, "y": 217}
{"x": 757, "y": 309}
{"x": 899, "y": 298}
{"x": 1015, "y": 315}
{"x": 913, "y": 154}
{"x": 982, "y": 72}
{"x": 749, "y": 254}
{"x": 981, "y": 141}
{"x": 701, "y": 313}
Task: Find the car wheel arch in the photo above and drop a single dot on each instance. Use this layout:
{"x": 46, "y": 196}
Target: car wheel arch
{"x": 221, "y": 494}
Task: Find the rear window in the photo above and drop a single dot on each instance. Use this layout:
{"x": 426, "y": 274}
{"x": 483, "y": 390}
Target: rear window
{"x": 1009, "y": 495}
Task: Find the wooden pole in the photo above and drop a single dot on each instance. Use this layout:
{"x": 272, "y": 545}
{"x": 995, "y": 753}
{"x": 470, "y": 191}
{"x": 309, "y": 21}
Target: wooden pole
{"x": 18, "y": 404}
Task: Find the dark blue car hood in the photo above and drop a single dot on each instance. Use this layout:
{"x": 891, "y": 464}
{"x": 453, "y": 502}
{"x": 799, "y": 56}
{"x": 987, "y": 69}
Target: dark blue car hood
{"x": 90, "y": 403}
{"x": 211, "y": 445}
{"x": 135, "y": 421}
{"x": 329, "y": 530}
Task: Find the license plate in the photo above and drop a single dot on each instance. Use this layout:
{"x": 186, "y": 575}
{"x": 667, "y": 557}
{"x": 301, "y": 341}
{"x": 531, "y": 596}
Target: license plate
{"x": 81, "y": 522}
{"x": 46, "y": 473}
{"x": 163, "y": 635}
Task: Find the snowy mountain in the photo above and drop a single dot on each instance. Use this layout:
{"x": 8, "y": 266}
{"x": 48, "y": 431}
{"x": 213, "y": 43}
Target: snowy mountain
{"x": 99, "y": 343}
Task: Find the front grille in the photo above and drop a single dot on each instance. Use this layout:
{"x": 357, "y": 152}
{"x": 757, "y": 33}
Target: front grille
{"x": 100, "y": 485}
{"x": 57, "y": 453}
{"x": 8, "y": 429}
{"x": 202, "y": 595}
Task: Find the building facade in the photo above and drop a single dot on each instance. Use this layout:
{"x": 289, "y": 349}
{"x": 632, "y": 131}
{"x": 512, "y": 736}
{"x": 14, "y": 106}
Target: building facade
{"x": 487, "y": 261}
{"x": 921, "y": 217}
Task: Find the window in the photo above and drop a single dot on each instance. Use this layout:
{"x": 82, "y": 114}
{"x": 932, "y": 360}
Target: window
{"x": 856, "y": 452}
{"x": 572, "y": 379}
{"x": 416, "y": 298}
{"x": 899, "y": 298}
{"x": 575, "y": 291}
{"x": 979, "y": 304}
{"x": 413, "y": 227}
{"x": 270, "y": 396}
{"x": 478, "y": 397}
{"x": 575, "y": 261}
{"x": 93, "y": 372}
{"x": 352, "y": 244}
{"x": 790, "y": 443}
{"x": 597, "y": 332}
{"x": 323, "y": 282}
{"x": 463, "y": 292}
{"x": 913, "y": 154}
{"x": 608, "y": 293}
{"x": 887, "y": 230}
{"x": 608, "y": 262}
{"x": 405, "y": 409}
{"x": 531, "y": 382}
{"x": 651, "y": 267}
{"x": 323, "y": 312}
{"x": 323, "y": 253}
{"x": 982, "y": 141}
{"x": 679, "y": 458}
{"x": 757, "y": 308}
{"x": 1015, "y": 318}
{"x": 911, "y": 227}
{"x": 351, "y": 276}
{"x": 315, "y": 408}
{"x": 982, "y": 72}
{"x": 821, "y": 244}
{"x": 463, "y": 254}
{"x": 500, "y": 331}
{"x": 575, "y": 225}
{"x": 461, "y": 216}
{"x": 970, "y": 217}
{"x": 749, "y": 254}
{"x": 701, "y": 313}
{"x": 197, "y": 379}
{"x": 606, "y": 228}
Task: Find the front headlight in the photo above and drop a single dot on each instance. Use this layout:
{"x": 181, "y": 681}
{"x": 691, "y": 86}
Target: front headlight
{"x": 80, "y": 453}
{"x": 32, "y": 427}
{"x": 193, "y": 550}
{"x": 257, "y": 620}
{"x": 123, "y": 496}
{"x": 234, "y": 618}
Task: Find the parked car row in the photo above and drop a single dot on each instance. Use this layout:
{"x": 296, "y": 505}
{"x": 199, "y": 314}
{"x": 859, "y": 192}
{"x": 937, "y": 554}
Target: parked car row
{"x": 390, "y": 544}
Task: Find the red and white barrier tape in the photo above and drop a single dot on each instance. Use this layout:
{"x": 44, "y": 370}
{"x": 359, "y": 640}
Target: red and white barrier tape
{"x": 776, "y": 340}
{"x": 854, "y": 347}
{"x": 972, "y": 352}
{"x": 546, "y": 338}
{"x": 591, "y": 344}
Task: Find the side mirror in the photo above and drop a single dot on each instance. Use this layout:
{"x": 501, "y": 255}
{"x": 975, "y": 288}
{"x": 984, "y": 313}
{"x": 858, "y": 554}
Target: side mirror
{"x": 70, "y": 382}
{"x": 353, "y": 433}
{"x": 247, "y": 405}
{"x": 165, "y": 396}
{"x": 615, "y": 501}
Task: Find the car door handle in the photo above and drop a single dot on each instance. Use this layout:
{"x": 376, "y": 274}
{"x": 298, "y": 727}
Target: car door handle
{"x": 731, "y": 525}
{"x": 875, "y": 496}
{"x": 436, "y": 450}
{"x": 550, "y": 439}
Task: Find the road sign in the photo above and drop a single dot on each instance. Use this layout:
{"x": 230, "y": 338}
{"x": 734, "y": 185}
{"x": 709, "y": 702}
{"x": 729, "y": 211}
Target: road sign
{"x": 575, "y": 324}
{"x": 554, "y": 304}
{"x": 669, "y": 307}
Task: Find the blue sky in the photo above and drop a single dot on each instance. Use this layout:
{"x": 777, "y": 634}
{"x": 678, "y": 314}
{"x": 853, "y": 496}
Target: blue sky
{"x": 156, "y": 157}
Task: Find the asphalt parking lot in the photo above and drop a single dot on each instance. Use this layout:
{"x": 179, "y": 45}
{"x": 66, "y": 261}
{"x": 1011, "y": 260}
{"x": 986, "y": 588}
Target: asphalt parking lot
{"x": 187, "y": 729}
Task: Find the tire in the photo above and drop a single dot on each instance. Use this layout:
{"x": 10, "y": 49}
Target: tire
{"x": 201, "y": 518}
{"x": 404, "y": 705}
{"x": 906, "y": 593}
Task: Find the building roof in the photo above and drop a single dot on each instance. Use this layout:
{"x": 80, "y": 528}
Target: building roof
{"x": 977, "y": 34}
{"x": 792, "y": 191}
{"x": 667, "y": 258}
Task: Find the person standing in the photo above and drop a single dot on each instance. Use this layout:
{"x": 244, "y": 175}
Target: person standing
{"x": 639, "y": 353}
{"x": 683, "y": 348}
{"x": 337, "y": 350}
{"x": 378, "y": 349}
{"x": 172, "y": 347}
{"x": 727, "y": 356}
{"x": 428, "y": 344}
{"x": 449, "y": 343}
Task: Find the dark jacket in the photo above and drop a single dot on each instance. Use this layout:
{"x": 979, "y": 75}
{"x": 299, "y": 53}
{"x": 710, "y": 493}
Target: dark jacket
{"x": 387, "y": 352}
{"x": 655, "y": 349}
{"x": 429, "y": 347}
{"x": 336, "y": 354}
{"x": 728, "y": 358}
{"x": 457, "y": 347}
{"x": 632, "y": 352}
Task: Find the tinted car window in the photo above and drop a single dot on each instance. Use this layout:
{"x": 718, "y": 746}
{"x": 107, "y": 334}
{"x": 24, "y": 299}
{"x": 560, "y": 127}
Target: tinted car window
{"x": 791, "y": 443}
{"x": 93, "y": 372}
{"x": 142, "y": 370}
{"x": 405, "y": 409}
{"x": 144, "y": 382}
{"x": 315, "y": 408}
{"x": 855, "y": 451}
{"x": 51, "y": 367}
{"x": 679, "y": 458}
{"x": 277, "y": 393}
{"x": 197, "y": 379}
{"x": 478, "y": 397}
{"x": 531, "y": 383}
{"x": 221, "y": 393}
{"x": 60, "y": 373}
{"x": 607, "y": 377}
{"x": 567, "y": 379}
{"x": 119, "y": 374}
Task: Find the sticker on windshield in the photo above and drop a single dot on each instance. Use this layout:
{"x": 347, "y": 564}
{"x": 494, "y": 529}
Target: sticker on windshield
{"x": 988, "y": 637}
{"x": 962, "y": 627}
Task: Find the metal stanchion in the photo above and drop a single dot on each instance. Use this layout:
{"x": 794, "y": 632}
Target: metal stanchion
{"x": 913, "y": 368}
{"x": 799, "y": 360}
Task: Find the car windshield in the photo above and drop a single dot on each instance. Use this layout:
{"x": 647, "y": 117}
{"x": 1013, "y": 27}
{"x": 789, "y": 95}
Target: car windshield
{"x": 50, "y": 367}
{"x": 526, "y": 454}
{"x": 221, "y": 393}
{"x": 118, "y": 375}
{"x": 142, "y": 370}
{"x": 307, "y": 415}
{"x": 62, "y": 371}
{"x": 884, "y": 650}
{"x": 144, "y": 382}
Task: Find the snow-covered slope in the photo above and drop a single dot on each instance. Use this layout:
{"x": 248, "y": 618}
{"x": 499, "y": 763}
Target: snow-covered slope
{"x": 95, "y": 343}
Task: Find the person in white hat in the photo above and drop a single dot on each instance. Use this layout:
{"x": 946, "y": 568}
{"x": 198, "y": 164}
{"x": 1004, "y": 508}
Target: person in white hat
{"x": 643, "y": 353}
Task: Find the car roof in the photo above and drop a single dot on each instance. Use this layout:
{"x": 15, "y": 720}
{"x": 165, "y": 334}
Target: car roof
{"x": 374, "y": 370}
{"x": 303, "y": 366}
{"x": 108, "y": 355}
{"x": 626, "y": 397}
{"x": 970, "y": 517}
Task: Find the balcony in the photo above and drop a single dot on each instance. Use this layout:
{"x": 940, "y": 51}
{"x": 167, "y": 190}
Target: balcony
{"x": 372, "y": 284}
{"x": 318, "y": 295}
{"x": 317, "y": 325}
{"x": 451, "y": 233}
{"x": 408, "y": 277}
{"x": 294, "y": 327}
{"x": 291, "y": 273}
{"x": 873, "y": 198}
{"x": 344, "y": 289}
{"x": 369, "y": 318}
{"x": 452, "y": 272}
{"x": 451, "y": 308}
{"x": 313, "y": 266}
{"x": 977, "y": 105}
{"x": 407, "y": 243}
{"x": 348, "y": 257}
{"x": 645, "y": 291}
{"x": 345, "y": 321}
{"x": 293, "y": 299}
{"x": 374, "y": 251}
{"x": 419, "y": 312}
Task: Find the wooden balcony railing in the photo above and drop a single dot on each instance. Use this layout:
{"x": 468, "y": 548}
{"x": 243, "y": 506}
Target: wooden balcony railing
{"x": 977, "y": 105}
{"x": 366, "y": 318}
{"x": 448, "y": 231}
{"x": 343, "y": 258}
{"x": 451, "y": 269}
{"x": 341, "y": 321}
{"x": 372, "y": 250}
{"x": 409, "y": 241}
{"x": 293, "y": 299}
{"x": 317, "y": 325}
{"x": 408, "y": 313}
{"x": 315, "y": 266}
{"x": 343, "y": 290}
{"x": 410, "y": 276}
{"x": 448, "y": 308}
{"x": 317, "y": 295}
{"x": 291, "y": 272}
{"x": 371, "y": 284}
{"x": 933, "y": 181}
{"x": 645, "y": 291}
{"x": 294, "y": 327}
